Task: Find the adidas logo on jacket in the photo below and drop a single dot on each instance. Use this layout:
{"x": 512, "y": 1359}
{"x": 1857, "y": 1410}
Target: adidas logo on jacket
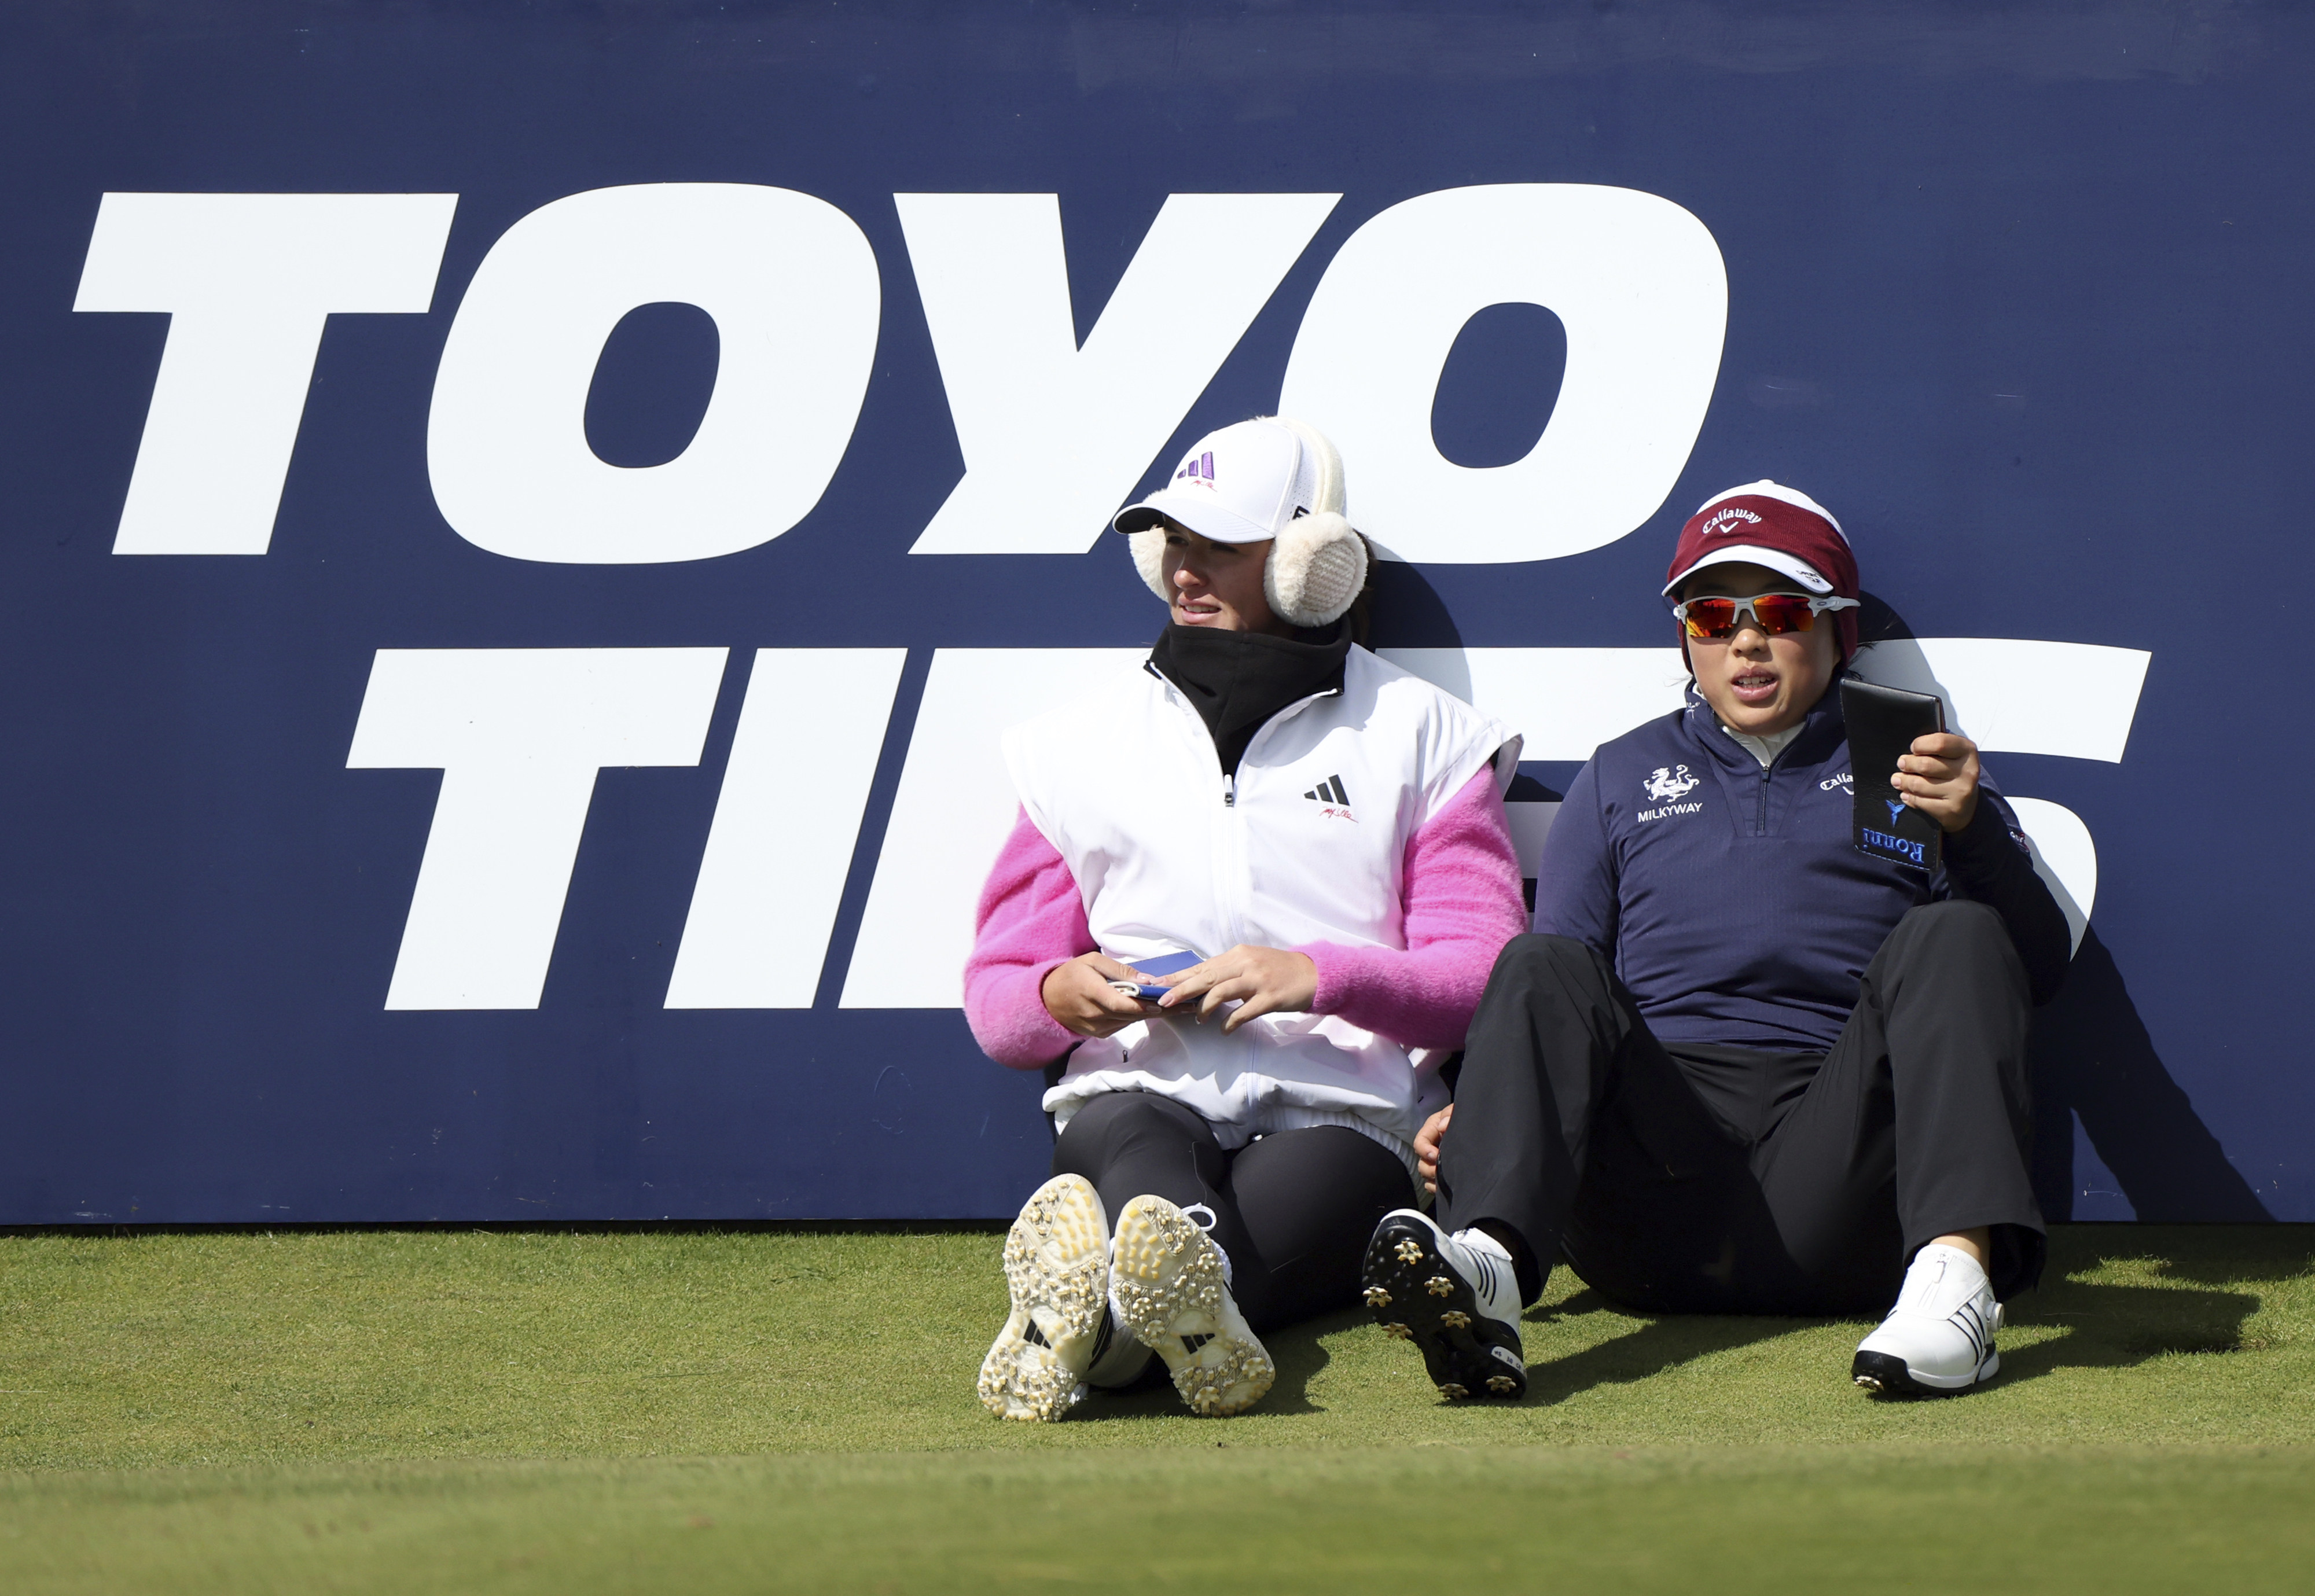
{"x": 1172, "y": 856}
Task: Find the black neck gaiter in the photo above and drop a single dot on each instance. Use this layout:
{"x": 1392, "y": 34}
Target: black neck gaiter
{"x": 1240, "y": 679}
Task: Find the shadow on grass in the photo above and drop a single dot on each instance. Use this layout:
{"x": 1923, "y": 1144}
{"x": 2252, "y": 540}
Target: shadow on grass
{"x": 2212, "y": 1274}
{"x": 1299, "y": 1351}
{"x": 2217, "y": 1273}
{"x": 1662, "y": 1342}
{"x": 2207, "y": 1255}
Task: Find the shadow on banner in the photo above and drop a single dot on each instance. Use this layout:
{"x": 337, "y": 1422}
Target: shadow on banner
{"x": 2092, "y": 1060}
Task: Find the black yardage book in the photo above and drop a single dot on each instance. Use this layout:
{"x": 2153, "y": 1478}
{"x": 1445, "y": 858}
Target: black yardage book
{"x": 1882, "y": 723}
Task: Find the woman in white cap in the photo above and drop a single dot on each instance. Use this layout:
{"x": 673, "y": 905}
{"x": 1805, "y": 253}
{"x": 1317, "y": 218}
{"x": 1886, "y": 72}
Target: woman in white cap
{"x": 1296, "y": 854}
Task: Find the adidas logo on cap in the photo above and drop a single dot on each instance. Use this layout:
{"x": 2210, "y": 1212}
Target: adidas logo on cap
{"x": 1198, "y": 468}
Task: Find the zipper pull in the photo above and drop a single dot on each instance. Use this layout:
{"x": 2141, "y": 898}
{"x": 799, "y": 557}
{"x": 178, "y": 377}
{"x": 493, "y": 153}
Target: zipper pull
{"x": 1229, "y": 792}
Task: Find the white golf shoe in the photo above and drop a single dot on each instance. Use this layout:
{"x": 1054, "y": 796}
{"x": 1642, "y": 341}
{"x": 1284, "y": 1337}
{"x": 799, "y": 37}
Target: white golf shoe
{"x": 1169, "y": 1284}
{"x": 1057, "y": 1266}
{"x": 1455, "y": 1296}
{"x": 1939, "y": 1337}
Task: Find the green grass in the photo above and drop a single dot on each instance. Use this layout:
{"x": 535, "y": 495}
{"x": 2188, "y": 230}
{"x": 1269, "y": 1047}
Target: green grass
{"x": 1772, "y": 1520}
{"x": 137, "y": 1352}
{"x": 794, "y": 1410}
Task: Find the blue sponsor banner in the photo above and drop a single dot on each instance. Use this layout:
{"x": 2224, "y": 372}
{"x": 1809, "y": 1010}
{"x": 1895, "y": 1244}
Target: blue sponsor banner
{"x": 522, "y": 524}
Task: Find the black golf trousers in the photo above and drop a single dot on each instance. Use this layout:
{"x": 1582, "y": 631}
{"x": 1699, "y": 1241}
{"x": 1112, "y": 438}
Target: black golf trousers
{"x": 1292, "y": 1210}
{"x": 1685, "y": 1178}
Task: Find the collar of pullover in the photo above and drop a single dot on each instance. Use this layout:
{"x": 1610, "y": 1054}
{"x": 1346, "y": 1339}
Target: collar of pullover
{"x": 1819, "y": 732}
{"x": 1236, "y": 680}
{"x": 1765, "y": 748}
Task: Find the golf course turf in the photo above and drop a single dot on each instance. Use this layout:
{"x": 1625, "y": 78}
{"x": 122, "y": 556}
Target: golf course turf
{"x": 711, "y": 1410}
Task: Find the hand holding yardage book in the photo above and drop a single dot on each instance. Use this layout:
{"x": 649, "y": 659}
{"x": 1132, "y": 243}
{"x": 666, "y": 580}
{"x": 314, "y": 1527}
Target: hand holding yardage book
{"x": 1164, "y": 964}
{"x": 1882, "y": 723}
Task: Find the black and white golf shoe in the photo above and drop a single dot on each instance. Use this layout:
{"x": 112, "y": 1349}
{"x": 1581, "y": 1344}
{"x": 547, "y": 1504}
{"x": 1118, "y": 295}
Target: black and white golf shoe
{"x": 1457, "y": 1301}
{"x": 1939, "y": 1337}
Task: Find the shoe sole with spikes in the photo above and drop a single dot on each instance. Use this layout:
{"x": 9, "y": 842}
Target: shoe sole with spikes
{"x": 1885, "y": 1374}
{"x": 1167, "y": 1281}
{"x": 1057, "y": 1267}
{"x": 1416, "y": 1295}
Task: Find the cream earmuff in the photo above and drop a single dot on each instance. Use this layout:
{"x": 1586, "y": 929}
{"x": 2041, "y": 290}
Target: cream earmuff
{"x": 1317, "y": 566}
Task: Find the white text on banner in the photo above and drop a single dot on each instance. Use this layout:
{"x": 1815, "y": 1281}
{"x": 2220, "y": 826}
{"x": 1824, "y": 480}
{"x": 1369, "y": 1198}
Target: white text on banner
{"x": 519, "y": 735}
{"x": 2019, "y": 696}
{"x": 248, "y": 281}
{"x": 955, "y": 806}
{"x": 1639, "y": 285}
{"x": 1565, "y": 701}
{"x": 794, "y": 791}
{"x": 2065, "y": 856}
{"x": 995, "y": 281}
{"x": 791, "y": 283}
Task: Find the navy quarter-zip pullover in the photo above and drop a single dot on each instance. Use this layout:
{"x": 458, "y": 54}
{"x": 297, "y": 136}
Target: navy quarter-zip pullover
{"x": 1732, "y": 899}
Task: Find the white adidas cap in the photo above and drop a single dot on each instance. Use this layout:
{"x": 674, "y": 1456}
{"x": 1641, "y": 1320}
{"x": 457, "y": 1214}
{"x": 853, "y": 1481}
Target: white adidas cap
{"x": 1241, "y": 485}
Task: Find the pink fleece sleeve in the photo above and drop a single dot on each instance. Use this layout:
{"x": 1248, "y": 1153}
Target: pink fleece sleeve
{"x": 1463, "y": 903}
{"x": 1031, "y": 918}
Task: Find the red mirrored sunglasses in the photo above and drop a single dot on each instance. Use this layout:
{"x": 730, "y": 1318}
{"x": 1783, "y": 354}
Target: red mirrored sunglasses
{"x": 1717, "y": 620}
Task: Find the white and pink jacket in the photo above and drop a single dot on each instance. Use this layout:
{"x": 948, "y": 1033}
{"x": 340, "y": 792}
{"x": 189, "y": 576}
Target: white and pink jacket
{"x": 1363, "y": 828}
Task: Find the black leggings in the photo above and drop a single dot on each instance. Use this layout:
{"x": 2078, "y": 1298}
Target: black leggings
{"x": 1293, "y": 1210}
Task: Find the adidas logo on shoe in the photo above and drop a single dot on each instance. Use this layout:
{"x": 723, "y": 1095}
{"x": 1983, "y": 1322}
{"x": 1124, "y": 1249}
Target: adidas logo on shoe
{"x": 1167, "y": 1280}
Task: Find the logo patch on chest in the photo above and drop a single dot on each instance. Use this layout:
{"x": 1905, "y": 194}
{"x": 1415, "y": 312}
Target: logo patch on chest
{"x": 1335, "y": 797}
{"x": 1667, "y": 785}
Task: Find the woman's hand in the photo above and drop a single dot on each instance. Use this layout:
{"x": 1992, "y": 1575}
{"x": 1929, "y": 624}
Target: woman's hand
{"x": 1259, "y": 979}
{"x": 1426, "y": 1147}
{"x": 1939, "y": 778}
{"x": 1078, "y": 995}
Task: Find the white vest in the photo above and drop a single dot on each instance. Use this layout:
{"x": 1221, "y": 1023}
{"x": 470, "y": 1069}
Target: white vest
{"x": 1308, "y": 844}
